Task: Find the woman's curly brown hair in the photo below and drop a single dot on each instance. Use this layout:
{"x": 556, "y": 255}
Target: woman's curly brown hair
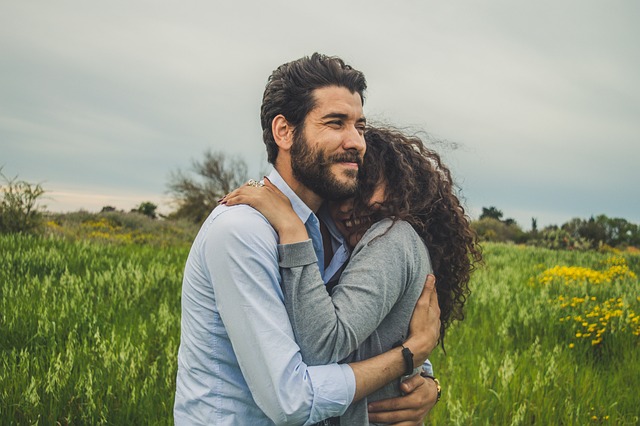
{"x": 420, "y": 191}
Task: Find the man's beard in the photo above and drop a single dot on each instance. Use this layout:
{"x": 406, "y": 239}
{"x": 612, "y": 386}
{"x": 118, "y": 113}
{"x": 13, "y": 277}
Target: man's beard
{"x": 313, "y": 170}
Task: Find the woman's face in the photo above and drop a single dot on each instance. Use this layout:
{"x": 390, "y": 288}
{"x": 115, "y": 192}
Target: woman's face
{"x": 354, "y": 228}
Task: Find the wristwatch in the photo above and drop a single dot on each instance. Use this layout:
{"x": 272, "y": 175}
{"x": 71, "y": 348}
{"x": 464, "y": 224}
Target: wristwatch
{"x": 436, "y": 381}
{"x": 407, "y": 356}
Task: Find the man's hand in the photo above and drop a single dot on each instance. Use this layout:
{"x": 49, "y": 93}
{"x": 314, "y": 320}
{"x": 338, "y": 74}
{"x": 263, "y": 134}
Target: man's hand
{"x": 410, "y": 409}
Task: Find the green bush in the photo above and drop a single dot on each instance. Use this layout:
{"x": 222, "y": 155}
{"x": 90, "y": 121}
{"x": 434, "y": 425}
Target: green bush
{"x": 19, "y": 211}
{"x": 494, "y": 230}
{"x": 146, "y": 208}
{"x": 121, "y": 228}
{"x": 560, "y": 239}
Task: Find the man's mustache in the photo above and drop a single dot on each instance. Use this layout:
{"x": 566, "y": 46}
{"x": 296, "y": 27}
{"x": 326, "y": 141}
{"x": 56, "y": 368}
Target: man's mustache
{"x": 345, "y": 158}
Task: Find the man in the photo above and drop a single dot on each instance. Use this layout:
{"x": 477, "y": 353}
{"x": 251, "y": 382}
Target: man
{"x": 238, "y": 362}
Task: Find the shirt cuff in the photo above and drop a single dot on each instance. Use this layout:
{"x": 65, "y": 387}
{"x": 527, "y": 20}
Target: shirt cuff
{"x": 296, "y": 254}
{"x": 427, "y": 367}
{"x": 334, "y": 387}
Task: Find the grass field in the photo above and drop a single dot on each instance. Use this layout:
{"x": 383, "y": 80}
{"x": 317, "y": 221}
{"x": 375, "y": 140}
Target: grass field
{"x": 89, "y": 333}
{"x": 550, "y": 338}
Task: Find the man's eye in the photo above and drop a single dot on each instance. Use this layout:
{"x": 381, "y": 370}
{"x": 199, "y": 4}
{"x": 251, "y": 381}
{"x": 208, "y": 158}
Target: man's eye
{"x": 334, "y": 123}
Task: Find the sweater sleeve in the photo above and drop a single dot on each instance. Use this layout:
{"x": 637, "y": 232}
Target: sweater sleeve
{"x": 328, "y": 328}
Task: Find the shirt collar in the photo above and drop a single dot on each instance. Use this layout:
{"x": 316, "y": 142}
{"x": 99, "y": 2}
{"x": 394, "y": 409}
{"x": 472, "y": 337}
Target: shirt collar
{"x": 325, "y": 216}
{"x": 302, "y": 210}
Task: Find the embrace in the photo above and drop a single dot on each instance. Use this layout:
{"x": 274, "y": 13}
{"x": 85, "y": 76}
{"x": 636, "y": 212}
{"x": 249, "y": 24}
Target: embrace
{"x": 310, "y": 297}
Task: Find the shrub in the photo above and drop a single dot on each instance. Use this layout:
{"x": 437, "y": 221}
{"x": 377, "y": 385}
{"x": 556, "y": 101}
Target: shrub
{"x": 121, "y": 228}
{"x": 490, "y": 229}
{"x": 560, "y": 239}
{"x": 19, "y": 211}
{"x": 146, "y": 208}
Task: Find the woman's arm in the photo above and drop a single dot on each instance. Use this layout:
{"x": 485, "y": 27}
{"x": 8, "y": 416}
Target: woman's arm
{"x": 389, "y": 258}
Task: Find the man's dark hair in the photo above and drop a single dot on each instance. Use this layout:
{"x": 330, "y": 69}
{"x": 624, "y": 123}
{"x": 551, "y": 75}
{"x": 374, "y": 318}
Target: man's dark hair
{"x": 290, "y": 87}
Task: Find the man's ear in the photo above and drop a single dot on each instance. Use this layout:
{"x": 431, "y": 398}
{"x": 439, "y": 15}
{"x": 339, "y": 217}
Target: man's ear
{"x": 282, "y": 132}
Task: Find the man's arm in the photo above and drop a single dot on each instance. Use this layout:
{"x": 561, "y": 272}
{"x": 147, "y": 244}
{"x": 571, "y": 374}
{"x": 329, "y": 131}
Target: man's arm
{"x": 241, "y": 257}
{"x": 245, "y": 277}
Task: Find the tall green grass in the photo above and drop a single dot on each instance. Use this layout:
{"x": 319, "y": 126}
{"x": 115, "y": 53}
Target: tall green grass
{"x": 89, "y": 333}
{"x": 516, "y": 360}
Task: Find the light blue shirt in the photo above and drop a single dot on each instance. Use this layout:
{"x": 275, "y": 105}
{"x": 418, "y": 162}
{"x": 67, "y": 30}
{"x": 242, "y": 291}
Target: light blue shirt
{"x": 238, "y": 362}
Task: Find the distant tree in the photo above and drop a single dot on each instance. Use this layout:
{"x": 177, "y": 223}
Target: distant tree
{"x": 197, "y": 191}
{"x": 19, "y": 211}
{"x": 509, "y": 221}
{"x": 106, "y": 209}
{"x": 618, "y": 231}
{"x": 491, "y": 229}
{"x": 146, "y": 208}
{"x": 614, "y": 232}
{"x": 634, "y": 235}
{"x": 576, "y": 234}
{"x": 491, "y": 212}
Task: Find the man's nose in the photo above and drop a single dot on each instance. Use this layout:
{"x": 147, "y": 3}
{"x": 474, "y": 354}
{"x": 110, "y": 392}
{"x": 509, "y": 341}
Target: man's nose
{"x": 354, "y": 139}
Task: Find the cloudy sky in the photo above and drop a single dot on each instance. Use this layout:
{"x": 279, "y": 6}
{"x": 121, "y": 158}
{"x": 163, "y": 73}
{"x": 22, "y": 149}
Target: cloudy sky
{"x": 538, "y": 103}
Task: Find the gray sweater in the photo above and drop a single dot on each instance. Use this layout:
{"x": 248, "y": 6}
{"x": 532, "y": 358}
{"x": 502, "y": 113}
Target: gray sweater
{"x": 369, "y": 310}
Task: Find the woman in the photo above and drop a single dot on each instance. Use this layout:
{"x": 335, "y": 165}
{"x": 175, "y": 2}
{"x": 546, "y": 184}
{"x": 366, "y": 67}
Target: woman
{"x": 405, "y": 203}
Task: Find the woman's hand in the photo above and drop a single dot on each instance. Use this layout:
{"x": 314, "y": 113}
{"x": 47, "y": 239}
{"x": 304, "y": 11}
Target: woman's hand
{"x": 274, "y": 206}
{"x": 424, "y": 328}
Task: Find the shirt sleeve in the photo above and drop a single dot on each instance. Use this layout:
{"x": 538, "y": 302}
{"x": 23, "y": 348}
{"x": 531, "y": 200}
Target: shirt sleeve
{"x": 245, "y": 277}
{"x": 328, "y": 328}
